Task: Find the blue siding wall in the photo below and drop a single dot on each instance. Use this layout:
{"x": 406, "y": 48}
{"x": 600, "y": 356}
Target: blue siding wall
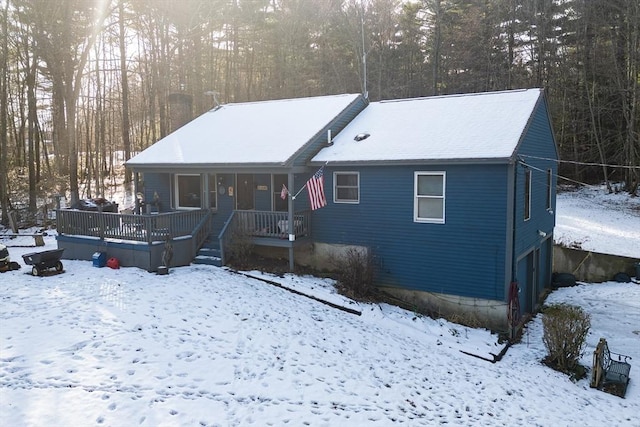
{"x": 302, "y": 200}
{"x": 465, "y": 256}
{"x": 262, "y": 197}
{"x": 537, "y": 153}
{"x": 158, "y": 183}
{"x": 226, "y": 204}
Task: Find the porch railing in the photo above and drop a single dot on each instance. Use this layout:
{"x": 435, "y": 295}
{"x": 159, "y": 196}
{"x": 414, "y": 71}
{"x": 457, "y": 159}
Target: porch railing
{"x": 140, "y": 228}
{"x": 271, "y": 224}
{"x": 262, "y": 224}
{"x": 201, "y": 231}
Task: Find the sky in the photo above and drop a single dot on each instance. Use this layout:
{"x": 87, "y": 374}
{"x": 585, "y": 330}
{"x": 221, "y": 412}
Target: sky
{"x": 207, "y": 346}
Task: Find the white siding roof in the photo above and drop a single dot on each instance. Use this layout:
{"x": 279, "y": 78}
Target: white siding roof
{"x": 254, "y": 132}
{"x": 471, "y": 126}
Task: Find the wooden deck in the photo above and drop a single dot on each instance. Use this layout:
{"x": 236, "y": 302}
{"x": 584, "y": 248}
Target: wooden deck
{"x": 138, "y": 240}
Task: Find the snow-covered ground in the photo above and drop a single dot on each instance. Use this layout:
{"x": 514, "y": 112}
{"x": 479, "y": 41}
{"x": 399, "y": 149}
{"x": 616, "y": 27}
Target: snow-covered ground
{"x": 205, "y": 346}
{"x": 593, "y": 220}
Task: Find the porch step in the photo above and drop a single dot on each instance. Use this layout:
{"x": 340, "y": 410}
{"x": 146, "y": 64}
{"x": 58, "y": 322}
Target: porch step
{"x": 209, "y": 256}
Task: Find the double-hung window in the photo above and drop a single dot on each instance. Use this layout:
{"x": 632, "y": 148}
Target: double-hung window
{"x": 429, "y": 190}
{"x": 346, "y": 187}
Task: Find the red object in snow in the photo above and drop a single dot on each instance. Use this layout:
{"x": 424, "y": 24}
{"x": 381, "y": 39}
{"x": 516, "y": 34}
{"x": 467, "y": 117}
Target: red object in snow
{"x": 113, "y": 263}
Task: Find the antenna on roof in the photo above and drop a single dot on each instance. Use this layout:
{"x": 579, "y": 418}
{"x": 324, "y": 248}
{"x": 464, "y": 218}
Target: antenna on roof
{"x": 365, "y": 93}
{"x": 214, "y": 95}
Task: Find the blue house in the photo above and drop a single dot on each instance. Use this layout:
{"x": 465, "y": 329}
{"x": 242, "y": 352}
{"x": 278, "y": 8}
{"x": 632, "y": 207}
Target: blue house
{"x": 452, "y": 196}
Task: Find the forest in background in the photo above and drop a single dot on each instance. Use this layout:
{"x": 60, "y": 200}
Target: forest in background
{"x": 84, "y": 83}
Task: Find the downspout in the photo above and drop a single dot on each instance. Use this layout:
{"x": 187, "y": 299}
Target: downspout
{"x": 514, "y": 257}
{"x": 513, "y": 298}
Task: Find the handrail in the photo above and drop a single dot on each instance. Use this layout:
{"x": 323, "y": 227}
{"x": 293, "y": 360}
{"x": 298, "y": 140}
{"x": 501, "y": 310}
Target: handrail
{"x": 225, "y": 235}
{"x": 147, "y": 228}
{"x": 201, "y": 232}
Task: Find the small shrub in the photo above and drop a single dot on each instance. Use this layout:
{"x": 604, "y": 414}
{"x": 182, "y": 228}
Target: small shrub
{"x": 565, "y": 329}
{"x": 355, "y": 273}
{"x": 240, "y": 248}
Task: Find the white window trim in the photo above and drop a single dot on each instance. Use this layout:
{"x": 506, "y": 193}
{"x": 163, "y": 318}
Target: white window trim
{"x": 335, "y": 187}
{"x": 177, "y": 193}
{"x": 416, "y": 197}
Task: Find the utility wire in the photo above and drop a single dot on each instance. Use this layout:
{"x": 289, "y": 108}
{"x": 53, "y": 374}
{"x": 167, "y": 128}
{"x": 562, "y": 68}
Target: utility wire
{"x": 556, "y": 175}
{"x": 580, "y": 163}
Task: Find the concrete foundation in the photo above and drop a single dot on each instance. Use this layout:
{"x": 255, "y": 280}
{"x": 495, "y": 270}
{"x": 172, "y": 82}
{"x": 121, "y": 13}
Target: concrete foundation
{"x": 468, "y": 311}
{"x": 472, "y": 311}
{"x": 322, "y": 256}
{"x": 591, "y": 267}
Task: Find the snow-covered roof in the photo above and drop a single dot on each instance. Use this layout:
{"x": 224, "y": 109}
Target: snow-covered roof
{"x": 455, "y": 127}
{"x": 268, "y": 132}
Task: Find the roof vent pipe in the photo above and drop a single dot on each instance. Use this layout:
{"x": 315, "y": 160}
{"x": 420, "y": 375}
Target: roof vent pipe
{"x": 361, "y": 136}
{"x": 329, "y": 141}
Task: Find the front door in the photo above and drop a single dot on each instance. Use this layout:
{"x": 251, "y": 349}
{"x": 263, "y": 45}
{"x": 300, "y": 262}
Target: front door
{"x": 244, "y": 192}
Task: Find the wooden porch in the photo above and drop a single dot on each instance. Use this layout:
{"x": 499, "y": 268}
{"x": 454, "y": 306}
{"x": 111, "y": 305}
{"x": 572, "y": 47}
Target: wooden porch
{"x": 266, "y": 228}
{"x": 136, "y": 240}
{"x": 139, "y": 240}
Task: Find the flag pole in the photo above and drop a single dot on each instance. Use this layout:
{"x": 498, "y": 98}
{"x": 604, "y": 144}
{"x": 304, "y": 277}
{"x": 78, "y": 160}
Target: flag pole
{"x": 305, "y": 186}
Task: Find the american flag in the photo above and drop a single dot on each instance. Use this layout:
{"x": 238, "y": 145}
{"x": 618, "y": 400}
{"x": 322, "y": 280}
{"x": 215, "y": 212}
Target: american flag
{"x": 315, "y": 187}
{"x": 284, "y": 192}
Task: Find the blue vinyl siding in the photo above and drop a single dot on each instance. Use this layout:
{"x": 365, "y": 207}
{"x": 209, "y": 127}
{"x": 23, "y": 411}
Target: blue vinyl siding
{"x": 262, "y": 197}
{"x": 158, "y": 183}
{"x": 464, "y": 256}
{"x": 536, "y": 147}
{"x": 226, "y": 203}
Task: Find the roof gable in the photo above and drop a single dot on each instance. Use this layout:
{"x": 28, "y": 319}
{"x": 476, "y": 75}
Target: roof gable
{"x": 456, "y": 127}
{"x": 268, "y": 132}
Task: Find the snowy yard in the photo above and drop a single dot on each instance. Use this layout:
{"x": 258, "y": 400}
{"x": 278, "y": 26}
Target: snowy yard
{"x": 593, "y": 220}
{"x": 204, "y": 346}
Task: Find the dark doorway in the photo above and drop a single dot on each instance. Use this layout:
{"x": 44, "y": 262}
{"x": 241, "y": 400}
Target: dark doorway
{"x": 244, "y": 192}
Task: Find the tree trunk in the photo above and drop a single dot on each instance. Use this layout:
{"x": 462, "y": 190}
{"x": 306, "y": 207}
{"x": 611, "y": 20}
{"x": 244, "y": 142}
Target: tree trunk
{"x": 126, "y": 142}
{"x": 596, "y": 136}
{"x": 32, "y": 128}
{"x": 3, "y": 116}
